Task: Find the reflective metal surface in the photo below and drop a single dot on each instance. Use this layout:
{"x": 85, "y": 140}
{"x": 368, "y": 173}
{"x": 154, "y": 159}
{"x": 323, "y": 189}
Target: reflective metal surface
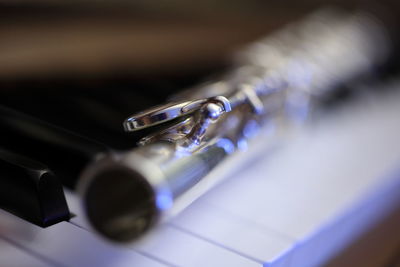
{"x": 275, "y": 82}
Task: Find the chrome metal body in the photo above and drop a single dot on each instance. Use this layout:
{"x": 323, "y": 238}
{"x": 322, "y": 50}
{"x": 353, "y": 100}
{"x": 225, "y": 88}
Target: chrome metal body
{"x": 275, "y": 80}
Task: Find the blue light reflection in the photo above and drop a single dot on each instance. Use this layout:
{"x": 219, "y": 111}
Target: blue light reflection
{"x": 164, "y": 200}
{"x": 227, "y": 145}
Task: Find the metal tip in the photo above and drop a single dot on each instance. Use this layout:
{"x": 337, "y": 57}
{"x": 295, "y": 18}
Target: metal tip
{"x": 120, "y": 204}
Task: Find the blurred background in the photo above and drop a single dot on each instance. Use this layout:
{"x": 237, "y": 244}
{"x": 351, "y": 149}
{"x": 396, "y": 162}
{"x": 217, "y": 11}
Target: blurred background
{"x": 93, "y": 39}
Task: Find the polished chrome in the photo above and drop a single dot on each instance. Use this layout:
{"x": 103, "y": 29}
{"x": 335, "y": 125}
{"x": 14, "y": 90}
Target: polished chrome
{"x": 274, "y": 82}
{"x": 170, "y": 111}
{"x": 155, "y": 116}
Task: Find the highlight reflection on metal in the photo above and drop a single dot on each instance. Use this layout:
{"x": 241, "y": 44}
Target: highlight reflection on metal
{"x": 214, "y": 107}
{"x": 273, "y": 83}
{"x": 209, "y": 110}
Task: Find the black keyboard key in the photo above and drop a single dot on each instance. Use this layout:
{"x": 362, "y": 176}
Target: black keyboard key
{"x": 30, "y": 190}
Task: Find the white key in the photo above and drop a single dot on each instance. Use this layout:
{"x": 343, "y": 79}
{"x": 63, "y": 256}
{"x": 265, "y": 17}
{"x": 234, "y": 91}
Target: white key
{"x": 230, "y": 231}
{"x": 180, "y": 249}
{"x": 347, "y": 227}
{"x": 174, "y": 246}
{"x": 13, "y": 256}
{"x": 69, "y": 245}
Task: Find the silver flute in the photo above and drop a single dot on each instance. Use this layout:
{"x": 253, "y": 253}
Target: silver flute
{"x": 276, "y": 80}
